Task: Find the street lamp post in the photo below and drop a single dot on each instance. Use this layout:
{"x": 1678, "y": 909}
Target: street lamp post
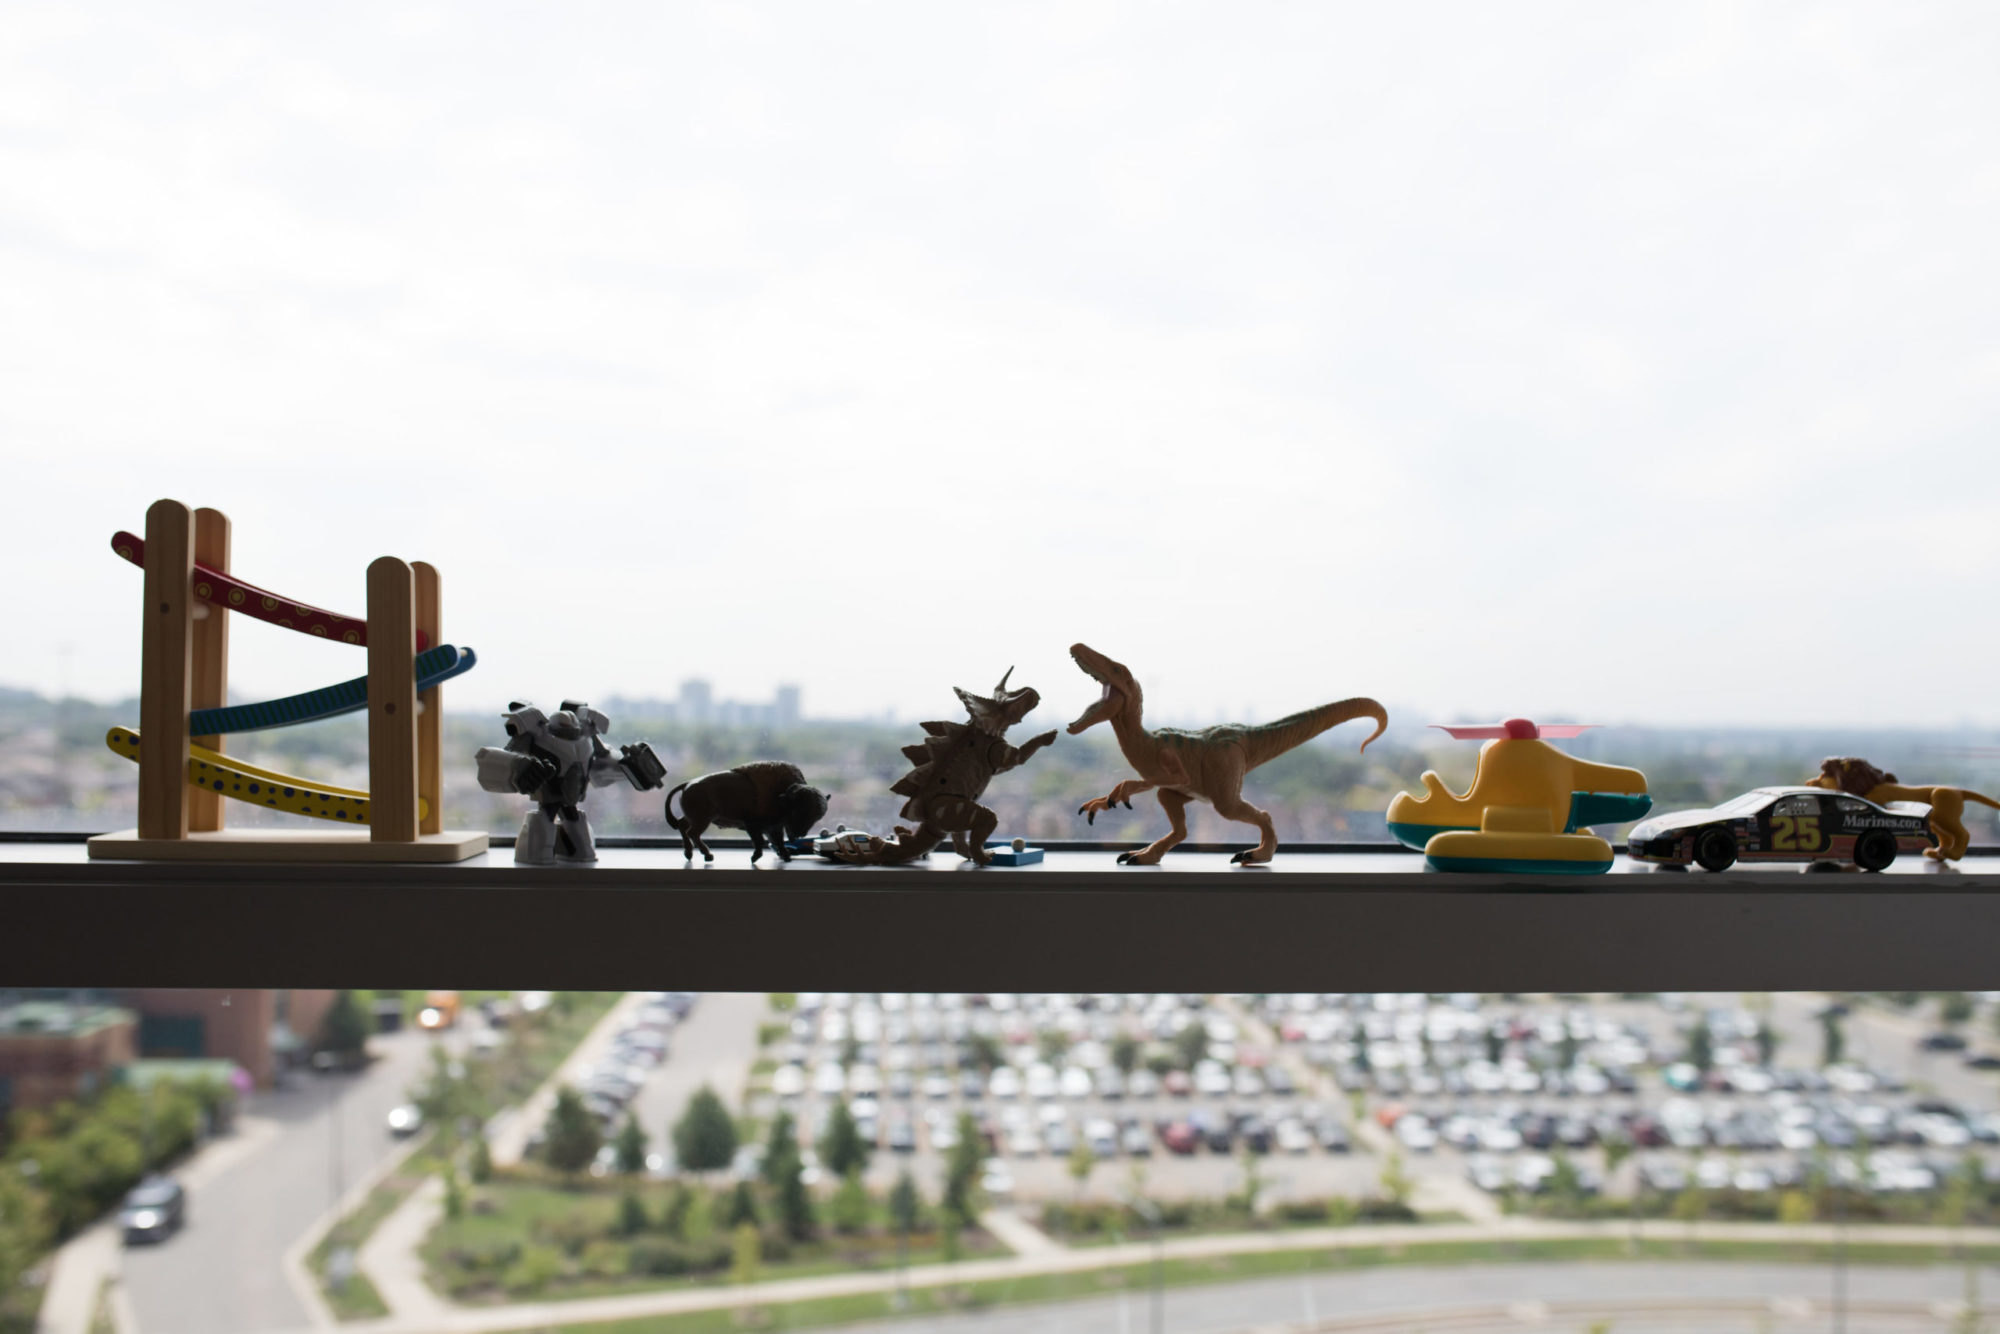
{"x": 1149, "y": 1211}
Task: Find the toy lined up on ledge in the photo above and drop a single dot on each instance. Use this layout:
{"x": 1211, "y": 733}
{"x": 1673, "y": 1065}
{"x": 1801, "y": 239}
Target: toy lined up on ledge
{"x": 185, "y": 717}
{"x": 1530, "y": 808}
{"x": 557, "y": 760}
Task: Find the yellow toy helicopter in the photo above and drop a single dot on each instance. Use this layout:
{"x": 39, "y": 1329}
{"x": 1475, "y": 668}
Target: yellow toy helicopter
{"x": 1529, "y": 807}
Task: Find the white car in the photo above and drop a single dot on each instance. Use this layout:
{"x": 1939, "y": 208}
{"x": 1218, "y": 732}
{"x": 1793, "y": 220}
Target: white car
{"x": 1024, "y": 1142}
{"x": 788, "y": 1081}
{"x": 1292, "y": 1136}
{"x": 1102, "y": 1136}
{"x": 830, "y": 1080}
{"x": 1075, "y": 1083}
{"x": 1211, "y": 1080}
{"x": 995, "y": 1179}
{"x": 1415, "y": 1132}
{"x": 1005, "y": 1082}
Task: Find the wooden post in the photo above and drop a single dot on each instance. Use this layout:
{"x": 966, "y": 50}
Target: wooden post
{"x": 430, "y": 717}
{"x": 392, "y": 702}
{"x": 209, "y": 682}
{"x": 164, "y": 670}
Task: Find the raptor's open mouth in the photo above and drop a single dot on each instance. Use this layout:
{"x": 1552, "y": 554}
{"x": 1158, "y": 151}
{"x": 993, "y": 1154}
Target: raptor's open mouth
{"x": 1106, "y": 705}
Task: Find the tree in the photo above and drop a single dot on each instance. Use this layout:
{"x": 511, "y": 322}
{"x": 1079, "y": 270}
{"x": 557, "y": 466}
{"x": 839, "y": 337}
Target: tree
{"x": 454, "y": 1191}
{"x": 1081, "y": 1163}
{"x": 572, "y": 1134}
{"x": 343, "y": 1030}
{"x": 961, "y": 1173}
{"x": 1954, "y": 1008}
{"x": 1701, "y": 1047}
{"x": 1496, "y": 1044}
{"x": 745, "y": 1251}
{"x": 1191, "y": 1044}
{"x": 632, "y": 1219}
{"x": 25, "y": 1232}
{"x": 1566, "y": 1050}
{"x": 983, "y": 1051}
{"x": 705, "y": 1136}
{"x": 1767, "y": 1042}
{"x": 1253, "y": 1180}
{"x": 1052, "y": 1045}
{"x": 842, "y": 1151}
{"x": 1832, "y": 1042}
{"x": 674, "y": 1216}
{"x": 1396, "y": 1183}
{"x": 850, "y": 1206}
{"x": 631, "y": 1147}
{"x": 742, "y": 1207}
{"x": 479, "y": 1163}
{"x": 795, "y": 1207}
{"x": 1125, "y": 1051}
{"x": 781, "y": 1151}
{"x": 904, "y": 1205}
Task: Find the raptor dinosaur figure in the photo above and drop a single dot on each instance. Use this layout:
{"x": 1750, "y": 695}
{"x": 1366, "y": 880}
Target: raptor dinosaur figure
{"x": 953, "y": 766}
{"x": 1208, "y": 765}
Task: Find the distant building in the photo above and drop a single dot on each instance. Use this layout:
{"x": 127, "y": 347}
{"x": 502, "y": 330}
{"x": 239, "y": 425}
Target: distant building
{"x": 697, "y": 702}
{"x": 786, "y": 709}
{"x": 54, "y": 1051}
{"x": 262, "y": 1031}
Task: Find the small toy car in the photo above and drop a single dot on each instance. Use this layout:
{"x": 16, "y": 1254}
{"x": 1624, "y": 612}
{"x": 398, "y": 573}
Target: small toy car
{"x": 1783, "y": 824}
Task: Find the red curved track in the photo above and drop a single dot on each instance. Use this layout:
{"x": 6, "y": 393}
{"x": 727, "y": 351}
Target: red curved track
{"x": 227, "y": 591}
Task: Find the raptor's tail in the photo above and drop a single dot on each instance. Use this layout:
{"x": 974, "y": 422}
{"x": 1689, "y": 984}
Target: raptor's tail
{"x": 672, "y": 823}
{"x": 1970, "y": 795}
{"x": 1270, "y": 740}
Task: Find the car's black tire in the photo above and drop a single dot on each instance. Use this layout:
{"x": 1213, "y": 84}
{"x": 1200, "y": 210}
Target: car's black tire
{"x": 1874, "y": 850}
{"x": 1715, "y": 849}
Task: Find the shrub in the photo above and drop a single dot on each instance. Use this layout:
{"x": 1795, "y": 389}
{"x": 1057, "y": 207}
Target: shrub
{"x": 537, "y": 1267}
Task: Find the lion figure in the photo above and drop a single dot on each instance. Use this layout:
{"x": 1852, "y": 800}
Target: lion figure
{"x": 1858, "y": 778}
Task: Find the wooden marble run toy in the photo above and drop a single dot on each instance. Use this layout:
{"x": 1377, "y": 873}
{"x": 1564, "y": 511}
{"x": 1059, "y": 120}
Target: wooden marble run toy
{"x": 1527, "y": 810}
{"x": 184, "y": 716}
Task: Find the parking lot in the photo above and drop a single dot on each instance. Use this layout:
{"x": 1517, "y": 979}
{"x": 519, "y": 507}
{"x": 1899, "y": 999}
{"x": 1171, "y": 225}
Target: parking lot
{"x": 1510, "y": 1095}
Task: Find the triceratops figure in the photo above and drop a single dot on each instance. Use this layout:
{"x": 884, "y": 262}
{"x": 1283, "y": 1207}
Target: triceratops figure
{"x": 953, "y": 766}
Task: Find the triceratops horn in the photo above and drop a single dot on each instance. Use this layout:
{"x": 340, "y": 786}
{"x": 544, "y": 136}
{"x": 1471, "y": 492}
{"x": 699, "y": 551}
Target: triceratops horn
{"x": 1001, "y": 689}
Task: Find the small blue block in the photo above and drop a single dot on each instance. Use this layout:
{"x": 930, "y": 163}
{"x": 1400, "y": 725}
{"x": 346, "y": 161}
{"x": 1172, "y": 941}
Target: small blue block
{"x": 1004, "y": 854}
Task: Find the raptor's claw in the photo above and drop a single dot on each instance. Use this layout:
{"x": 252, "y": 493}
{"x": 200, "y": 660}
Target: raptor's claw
{"x": 1124, "y": 859}
{"x": 1128, "y": 804}
{"x": 1241, "y": 857}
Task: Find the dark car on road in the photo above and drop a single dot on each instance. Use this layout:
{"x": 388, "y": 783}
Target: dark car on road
{"x": 1783, "y": 824}
{"x": 154, "y": 1211}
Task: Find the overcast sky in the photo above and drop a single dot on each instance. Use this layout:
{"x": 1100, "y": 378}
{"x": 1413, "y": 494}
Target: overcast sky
{"x": 1631, "y": 362}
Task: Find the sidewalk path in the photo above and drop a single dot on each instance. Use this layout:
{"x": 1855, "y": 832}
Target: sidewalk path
{"x": 1017, "y": 1233}
{"x": 632, "y": 1306}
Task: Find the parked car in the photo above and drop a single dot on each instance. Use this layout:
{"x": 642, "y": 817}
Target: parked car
{"x": 406, "y": 1120}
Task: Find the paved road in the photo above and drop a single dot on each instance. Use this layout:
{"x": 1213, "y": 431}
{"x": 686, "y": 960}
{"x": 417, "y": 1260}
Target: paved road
{"x": 1512, "y": 1296}
{"x": 224, "y": 1274}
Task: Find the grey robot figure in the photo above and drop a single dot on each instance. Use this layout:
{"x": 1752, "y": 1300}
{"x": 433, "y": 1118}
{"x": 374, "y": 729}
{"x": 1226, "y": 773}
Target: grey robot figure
{"x": 556, "y": 759}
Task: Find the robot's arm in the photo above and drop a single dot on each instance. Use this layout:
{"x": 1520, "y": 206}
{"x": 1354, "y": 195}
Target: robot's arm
{"x": 512, "y": 771}
{"x": 635, "y": 764}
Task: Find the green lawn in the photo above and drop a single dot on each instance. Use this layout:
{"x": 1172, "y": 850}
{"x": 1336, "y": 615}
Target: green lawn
{"x": 581, "y": 1254}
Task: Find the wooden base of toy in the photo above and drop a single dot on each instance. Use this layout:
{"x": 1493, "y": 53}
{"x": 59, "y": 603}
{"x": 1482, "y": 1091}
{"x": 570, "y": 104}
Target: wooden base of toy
{"x": 288, "y": 845}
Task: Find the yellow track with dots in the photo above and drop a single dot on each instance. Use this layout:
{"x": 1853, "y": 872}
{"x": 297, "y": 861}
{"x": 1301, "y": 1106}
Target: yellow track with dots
{"x": 265, "y": 787}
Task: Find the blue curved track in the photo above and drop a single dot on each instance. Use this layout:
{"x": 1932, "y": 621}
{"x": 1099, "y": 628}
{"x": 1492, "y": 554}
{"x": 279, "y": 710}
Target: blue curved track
{"x": 434, "y": 667}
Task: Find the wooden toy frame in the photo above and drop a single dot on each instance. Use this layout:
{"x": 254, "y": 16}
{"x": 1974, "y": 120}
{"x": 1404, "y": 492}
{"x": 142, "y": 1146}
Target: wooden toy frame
{"x": 185, "y": 666}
